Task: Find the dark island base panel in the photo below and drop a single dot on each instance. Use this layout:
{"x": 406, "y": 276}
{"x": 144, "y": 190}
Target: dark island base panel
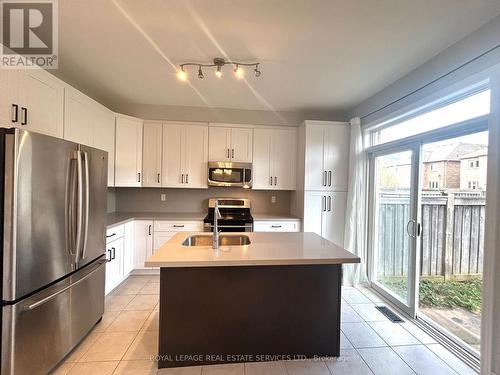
{"x": 212, "y": 315}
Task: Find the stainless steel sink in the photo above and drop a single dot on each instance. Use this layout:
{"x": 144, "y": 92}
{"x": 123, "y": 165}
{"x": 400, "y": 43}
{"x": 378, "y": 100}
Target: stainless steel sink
{"x": 224, "y": 240}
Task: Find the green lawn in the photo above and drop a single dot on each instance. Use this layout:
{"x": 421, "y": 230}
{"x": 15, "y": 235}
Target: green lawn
{"x": 443, "y": 294}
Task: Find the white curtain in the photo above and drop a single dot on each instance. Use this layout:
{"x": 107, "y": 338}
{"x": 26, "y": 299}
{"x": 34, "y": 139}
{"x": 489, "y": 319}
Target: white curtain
{"x": 356, "y": 226}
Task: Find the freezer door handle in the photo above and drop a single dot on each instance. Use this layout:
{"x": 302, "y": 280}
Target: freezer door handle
{"x": 54, "y": 295}
{"x": 87, "y": 203}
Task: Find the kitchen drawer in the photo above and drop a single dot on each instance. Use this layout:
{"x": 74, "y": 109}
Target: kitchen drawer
{"x": 276, "y": 226}
{"x": 114, "y": 233}
{"x": 178, "y": 226}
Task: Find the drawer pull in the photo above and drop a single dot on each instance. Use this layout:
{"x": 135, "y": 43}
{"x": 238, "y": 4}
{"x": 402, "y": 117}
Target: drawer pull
{"x": 275, "y": 226}
{"x": 111, "y": 235}
{"x": 178, "y": 226}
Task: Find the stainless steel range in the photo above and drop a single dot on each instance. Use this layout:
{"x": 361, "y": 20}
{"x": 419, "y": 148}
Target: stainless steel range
{"x": 235, "y": 215}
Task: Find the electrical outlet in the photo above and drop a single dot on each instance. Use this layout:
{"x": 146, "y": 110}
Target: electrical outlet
{"x": 163, "y": 197}
{"x": 273, "y": 198}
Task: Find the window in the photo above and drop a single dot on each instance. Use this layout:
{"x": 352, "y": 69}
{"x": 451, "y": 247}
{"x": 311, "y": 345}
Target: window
{"x": 433, "y": 185}
{"x": 473, "y": 106}
{"x": 473, "y": 185}
{"x": 473, "y": 164}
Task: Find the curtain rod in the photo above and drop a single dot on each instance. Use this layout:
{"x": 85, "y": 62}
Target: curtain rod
{"x": 433, "y": 81}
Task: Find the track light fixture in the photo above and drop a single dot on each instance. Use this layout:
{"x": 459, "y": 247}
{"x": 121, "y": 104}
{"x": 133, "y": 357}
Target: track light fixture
{"x": 218, "y": 63}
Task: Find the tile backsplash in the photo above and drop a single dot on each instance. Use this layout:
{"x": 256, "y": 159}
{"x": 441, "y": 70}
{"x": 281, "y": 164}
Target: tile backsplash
{"x": 192, "y": 200}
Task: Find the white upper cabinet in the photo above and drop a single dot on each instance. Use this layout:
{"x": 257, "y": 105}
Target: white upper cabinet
{"x": 230, "y": 144}
{"x": 152, "y": 154}
{"x": 41, "y": 98}
{"x": 185, "y": 155}
{"x": 10, "y": 102}
{"x": 261, "y": 167}
{"x": 173, "y": 151}
{"x": 128, "y": 151}
{"x": 196, "y": 156}
{"x": 274, "y": 161}
{"x": 103, "y": 136}
{"x": 77, "y": 117}
{"x": 326, "y": 156}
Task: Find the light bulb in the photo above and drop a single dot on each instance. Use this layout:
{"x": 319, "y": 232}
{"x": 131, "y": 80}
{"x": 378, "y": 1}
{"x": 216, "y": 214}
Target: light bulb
{"x": 218, "y": 72}
{"x": 182, "y": 75}
{"x": 238, "y": 72}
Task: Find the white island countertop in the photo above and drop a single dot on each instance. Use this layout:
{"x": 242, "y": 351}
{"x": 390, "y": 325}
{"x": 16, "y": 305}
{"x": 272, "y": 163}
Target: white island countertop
{"x": 265, "y": 249}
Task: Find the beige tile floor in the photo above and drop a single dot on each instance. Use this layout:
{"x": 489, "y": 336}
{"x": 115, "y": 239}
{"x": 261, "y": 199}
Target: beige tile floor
{"x": 126, "y": 339}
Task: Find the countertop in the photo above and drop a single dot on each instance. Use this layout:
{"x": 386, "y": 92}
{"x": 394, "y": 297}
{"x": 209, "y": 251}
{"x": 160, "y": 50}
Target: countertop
{"x": 264, "y": 249}
{"x": 117, "y": 218}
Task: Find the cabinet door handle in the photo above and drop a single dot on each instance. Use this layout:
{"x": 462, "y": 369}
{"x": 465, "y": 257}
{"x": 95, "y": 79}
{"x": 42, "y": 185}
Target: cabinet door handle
{"x": 329, "y": 203}
{"x": 232, "y": 153}
{"x": 15, "y": 113}
{"x": 182, "y": 178}
{"x": 329, "y": 178}
{"x": 114, "y": 253}
{"x": 149, "y": 230}
{"x": 270, "y": 180}
{"x": 323, "y": 203}
{"x": 109, "y": 254}
{"x": 275, "y": 180}
{"x": 187, "y": 178}
{"x": 24, "y": 112}
{"x": 138, "y": 177}
{"x": 158, "y": 178}
{"x": 324, "y": 178}
{"x": 228, "y": 153}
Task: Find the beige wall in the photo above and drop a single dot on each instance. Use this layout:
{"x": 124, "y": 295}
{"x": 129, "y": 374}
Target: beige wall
{"x": 193, "y": 200}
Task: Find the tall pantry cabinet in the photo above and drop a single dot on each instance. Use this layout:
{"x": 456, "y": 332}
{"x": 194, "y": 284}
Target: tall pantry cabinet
{"x": 323, "y": 161}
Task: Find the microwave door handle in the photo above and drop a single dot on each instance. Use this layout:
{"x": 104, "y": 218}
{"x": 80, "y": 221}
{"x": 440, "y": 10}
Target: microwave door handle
{"x": 87, "y": 203}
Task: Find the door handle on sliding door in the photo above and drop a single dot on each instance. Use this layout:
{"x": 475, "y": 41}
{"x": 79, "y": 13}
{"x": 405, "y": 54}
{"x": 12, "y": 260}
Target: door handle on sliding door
{"x": 412, "y": 233}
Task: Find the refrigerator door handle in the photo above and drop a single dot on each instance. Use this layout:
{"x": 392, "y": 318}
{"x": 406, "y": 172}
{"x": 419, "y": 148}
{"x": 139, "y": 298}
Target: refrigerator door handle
{"x": 54, "y": 295}
{"x": 87, "y": 204}
{"x": 79, "y": 223}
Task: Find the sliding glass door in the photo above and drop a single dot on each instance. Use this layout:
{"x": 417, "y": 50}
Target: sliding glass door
{"x": 394, "y": 225}
{"x": 427, "y": 216}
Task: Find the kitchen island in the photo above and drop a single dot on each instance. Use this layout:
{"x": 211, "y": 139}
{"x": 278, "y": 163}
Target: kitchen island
{"x": 276, "y": 298}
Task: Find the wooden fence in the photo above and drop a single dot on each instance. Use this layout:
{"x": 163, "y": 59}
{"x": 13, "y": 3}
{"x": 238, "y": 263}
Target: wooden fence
{"x": 452, "y": 240}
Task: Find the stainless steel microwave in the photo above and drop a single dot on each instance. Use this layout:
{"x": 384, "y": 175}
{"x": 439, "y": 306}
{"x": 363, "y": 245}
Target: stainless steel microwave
{"x": 230, "y": 174}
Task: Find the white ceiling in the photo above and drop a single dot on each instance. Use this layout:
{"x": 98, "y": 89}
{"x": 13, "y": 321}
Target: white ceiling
{"x": 315, "y": 54}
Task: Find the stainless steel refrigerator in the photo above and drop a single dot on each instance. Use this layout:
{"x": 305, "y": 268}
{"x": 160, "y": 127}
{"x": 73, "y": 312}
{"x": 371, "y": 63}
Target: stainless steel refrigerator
{"x": 53, "y": 220}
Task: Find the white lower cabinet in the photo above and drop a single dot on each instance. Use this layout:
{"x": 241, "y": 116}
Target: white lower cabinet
{"x": 276, "y": 226}
{"x": 143, "y": 243}
{"x": 324, "y": 214}
{"x": 114, "y": 267}
{"x": 160, "y": 238}
{"x": 164, "y": 230}
{"x": 128, "y": 248}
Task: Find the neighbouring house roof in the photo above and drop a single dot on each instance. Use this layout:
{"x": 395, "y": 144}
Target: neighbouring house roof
{"x": 450, "y": 152}
{"x": 475, "y": 154}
